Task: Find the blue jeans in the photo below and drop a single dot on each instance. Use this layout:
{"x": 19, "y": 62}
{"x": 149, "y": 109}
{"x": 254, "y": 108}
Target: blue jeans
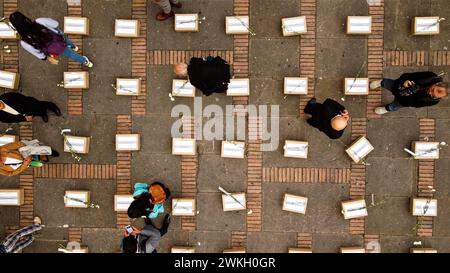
{"x": 389, "y": 85}
{"x": 69, "y": 53}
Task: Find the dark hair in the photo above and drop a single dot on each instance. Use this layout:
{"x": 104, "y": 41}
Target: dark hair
{"x": 31, "y": 32}
{"x": 129, "y": 244}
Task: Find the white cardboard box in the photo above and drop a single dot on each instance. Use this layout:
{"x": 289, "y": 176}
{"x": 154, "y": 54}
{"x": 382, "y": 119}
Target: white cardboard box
{"x": 6, "y": 139}
{"x": 79, "y": 145}
{"x": 423, "y": 250}
{"x": 9, "y": 80}
{"x": 354, "y": 209}
{"x": 299, "y": 250}
{"x": 294, "y": 203}
{"x": 353, "y": 250}
{"x": 229, "y": 204}
{"x": 359, "y": 24}
{"x": 425, "y": 25}
{"x": 11, "y": 197}
{"x": 7, "y": 33}
{"x": 296, "y": 149}
{"x": 233, "y": 149}
{"x": 239, "y": 87}
{"x": 128, "y": 87}
{"x": 182, "y": 249}
{"x": 122, "y": 202}
{"x": 359, "y": 149}
{"x": 83, "y": 196}
{"x": 235, "y": 250}
{"x": 295, "y": 86}
{"x": 128, "y": 142}
{"x": 356, "y": 86}
{"x": 76, "y": 25}
{"x": 76, "y": 80}
{"x": 426, "y": 150}
{"x": 424, "y": 207}
{"x": 186, "y": 22}
{"x": 237, "y": 24}
{"x": 182, "y": 88}
{"x": 184, "y": 146}
{"x": 126, "y": 28}
{"x": 294, "y": 26}
{"x": 183, "y": 207}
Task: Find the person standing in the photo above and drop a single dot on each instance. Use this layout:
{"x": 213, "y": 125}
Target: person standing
{"x": 15, "y": 107}
{"x": 166, "y": 6}
{"x": 419, "y": 89}
{"x": 330, "y": 117}
{"x": 20, "y": 239}
{"x": 45, "y": 40}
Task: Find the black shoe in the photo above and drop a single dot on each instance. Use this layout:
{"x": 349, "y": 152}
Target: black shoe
{"x": 55, "y": 153}
{"x": 45, "y": 118}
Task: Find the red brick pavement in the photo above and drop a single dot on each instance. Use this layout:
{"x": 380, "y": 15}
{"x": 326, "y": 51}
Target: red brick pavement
{"x": 416, "y": 58}
{"x": 304, "y": 240}
{"x": 170, "y": 57}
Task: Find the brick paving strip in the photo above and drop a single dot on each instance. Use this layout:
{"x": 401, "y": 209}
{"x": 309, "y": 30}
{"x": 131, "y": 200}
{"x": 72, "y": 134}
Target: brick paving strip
{"x": 306, "y": 175}
{"x": 77, "y": 171}
{"x": 417, "y": 58}
{"x": 375, "y": 50}
{"x": 254, "y": 175}
{"x": 74, "y": 234}
{"x": 241, "y": 51}
{"x": 170, "y": 57}
{"x": 308, "y": 50}
{"x": 238, "y": 239}
{"x": 139, "y": 57}
{"x": 427, "y": 128}
{"x": 370, "y": 241}
{"x": 75, "y": 96}
{"x": 304, "y": 240}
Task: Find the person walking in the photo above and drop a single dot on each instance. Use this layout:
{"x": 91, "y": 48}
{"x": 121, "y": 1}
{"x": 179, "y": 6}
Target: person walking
{"x": 45, "y": 40}
{"x": 166, "y": 6}
{"x": 20, "y": 239}
{"x": 419, "y": 89}
{"x": 330, "y": 117}
{"x": 15, "y": 107}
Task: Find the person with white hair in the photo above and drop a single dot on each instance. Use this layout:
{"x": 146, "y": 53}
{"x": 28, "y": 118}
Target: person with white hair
{"x": 329, "y": 117}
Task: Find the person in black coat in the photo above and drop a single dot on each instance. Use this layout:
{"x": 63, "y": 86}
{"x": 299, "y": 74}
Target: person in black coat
{"x": 15, "y": 107}
{"x": 329, "y": 117}
{"x": 419, "y": 89}
{"x": 210, "y": 75}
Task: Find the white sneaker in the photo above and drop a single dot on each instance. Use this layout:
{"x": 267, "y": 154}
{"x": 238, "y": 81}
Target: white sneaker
{"x": 381, "y": 110}
{"x": 88, "y": 63}
{"x": 37, "y": 221}
{"x": 375, "y": 84}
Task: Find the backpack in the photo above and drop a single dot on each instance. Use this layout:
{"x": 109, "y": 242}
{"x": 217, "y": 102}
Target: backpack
{"x": 57, "y": 45}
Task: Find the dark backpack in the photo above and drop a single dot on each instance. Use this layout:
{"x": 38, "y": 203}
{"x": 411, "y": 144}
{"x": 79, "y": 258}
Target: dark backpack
{"x": 56, "y": 46}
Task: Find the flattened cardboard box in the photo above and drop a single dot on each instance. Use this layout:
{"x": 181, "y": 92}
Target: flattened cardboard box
{"x": 229, "y": 204}
{"x": 295, "y": 86}
{"x": 182, "y": 249}
{"x": 6, "y": 139}
{"x": 128, "y": 142}
{"x": 359, "y": 25}
{"x": 425, "y": 150}
{"x": 127, "y": 28}
{"x": 239, "y": 87}
{"x": 122, "y": 202}
{"x": 296, "y": 149}
{"x": 235, "y": 250}
{"x": 9, "y": 80}
{"x": 12, "y": 197}
{"x": 128, "y": 87}
{"x": 423, "y": 207}
{"x": 76, "y": 25}
{"x": 356, "y": 86}
{"x": 186, "y": 22}
{"x": 425, "y": 25}
{"x": 183, "y": 207}
{"x": 233, "y": 149}
{"x": 299, "y": 250}
{"x": 182, "y": 88}
{"x": 353, "y": 250}
{"x": 359, "y": 149}
{"x": 294, "y": 203}
{"x": 80, "y": 195}
{"x": 79, "y": 145}
{"x": 237, "y": 24}
{"x": 76, "y": 80}
{"x": 7, "y": 33}
{"x": 423, "y": 250}
{"x": 354, "y": 209}
{"x": 184, "y": 146}
{"x": 294, "y": 26}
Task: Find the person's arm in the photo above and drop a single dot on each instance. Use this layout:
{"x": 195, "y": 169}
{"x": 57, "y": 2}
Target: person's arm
{"x": 423, "y": 102}
{"x": 8, "y": 118}
{"x": 417, "y": 77}
{"x": 36, "y": 52}
{"x": 48, "y": 23}
{"x": 333, "y": 106}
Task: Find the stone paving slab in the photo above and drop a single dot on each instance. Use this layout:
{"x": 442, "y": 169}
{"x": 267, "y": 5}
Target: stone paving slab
{"x": 274, "y": 242}
{"x": 331, "y": 242}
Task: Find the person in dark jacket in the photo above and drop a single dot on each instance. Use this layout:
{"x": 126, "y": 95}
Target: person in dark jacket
{"x": 210, "y": 75}
{"x": 329, "y": 117}
{"x": 419, "y": 89}
{"x": 15, "y": 107}
{"x": 148, "y": 200}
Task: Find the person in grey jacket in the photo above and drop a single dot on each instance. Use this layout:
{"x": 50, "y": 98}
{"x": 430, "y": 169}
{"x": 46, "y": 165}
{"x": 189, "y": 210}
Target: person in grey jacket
{"x": 45, "y": 40}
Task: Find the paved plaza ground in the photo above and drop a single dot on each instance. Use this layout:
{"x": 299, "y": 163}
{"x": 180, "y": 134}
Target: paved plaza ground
{"x": 326, "y": 55}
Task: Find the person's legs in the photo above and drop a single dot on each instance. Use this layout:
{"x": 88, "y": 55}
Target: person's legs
{"x": 164, "y": 5}
{"x": 163, "y": 230}
{"x": 12, "y": 239}
{"x": 393, "y": 106}
{"x": 69, "y": 42}
{"x": 69, "y": 53}
{"x": 388, "y": 84}
{"x": 23, "y": 243}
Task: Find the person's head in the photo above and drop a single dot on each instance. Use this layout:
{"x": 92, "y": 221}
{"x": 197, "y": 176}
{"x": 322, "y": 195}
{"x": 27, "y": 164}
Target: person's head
{"x": 129, "y": 244}
{"x": 339, "y": 122}
{"x": 439, "y": 90}
{"x": 159, "y": 193}
{"x": 181, "y": 69}
{"x": 30, "y": 32}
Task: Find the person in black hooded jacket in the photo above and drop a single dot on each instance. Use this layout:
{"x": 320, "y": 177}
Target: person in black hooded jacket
{"x": 144, "y": 203}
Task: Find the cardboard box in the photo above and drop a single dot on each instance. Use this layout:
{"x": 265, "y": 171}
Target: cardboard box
{"x": 359, "y": 149}
{"x": 423, "y": 250}
{"x": 122, "y": 202}
{"x": 81, "y": 250}
{"x": 12, "y": 197}
{"x": 9, "y": 80}
{"x": 76, "y": 80}
{"x": 425, "y": 150}
{"x": 6, "y": 139}
{"x": 423, "y": 207}
{"x": 184, "y": 146}
{"x": 354, "y": 209}
{"x": 127, "y": 28}
{"x": 7, "y": 32}
{"x": 182, "y": 249}
{"x": 186, "y": 22}
{"x": 353, "y": 250}
{"x": 425, "y": 25}
{"x": 294, "y": 203}
{"x": 128, "y": 87}
{"x": 76, "y": 25}
{"x": 128, "y": 142}
{"x": 299, "y": 250}
{"x": 239, "y": 87}
{"x": 229, "y": 204}
{"x": 182, "y": 88}
{"x": 235, "y": 250}
{"x": 295, "y": 86}
{"x": 237, "y": 24}
{"x": 296, "y": 149}
{"x": 359, "y": 24}
{"x": 233, "y": 149}
{"x": 183, "y": 207}
{"x": 356, "y": 86}
{"x": 83, "y": 196}
{"x": 79, "y": 145}
{"x": 294, "y": 26}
